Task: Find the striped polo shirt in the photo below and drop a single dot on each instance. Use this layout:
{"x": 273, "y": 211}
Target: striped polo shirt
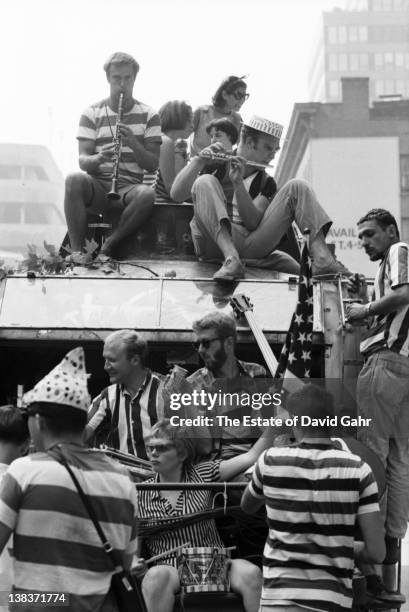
{"x": 202, "y": 533}
{"x": 56, "y": 546}
{"x": 313, "y": 494}
{"x": 124, "y": 421}
{"x": 390, "y": 330}
{"x": 98, "y": 122}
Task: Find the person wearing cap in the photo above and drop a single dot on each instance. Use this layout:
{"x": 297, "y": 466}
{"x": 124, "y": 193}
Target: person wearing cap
{"x": 140, "y": 135}
{"x": 56, "y": 547}
{"x": 226, "y": 102}
{"x": 235, "y": 215}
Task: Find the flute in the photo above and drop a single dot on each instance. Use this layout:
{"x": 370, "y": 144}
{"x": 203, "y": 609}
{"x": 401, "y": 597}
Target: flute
{"x": 229, "y": 156}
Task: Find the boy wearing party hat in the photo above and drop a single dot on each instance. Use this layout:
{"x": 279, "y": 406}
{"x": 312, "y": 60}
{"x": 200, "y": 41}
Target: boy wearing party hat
{"x": 235, "y": 216}
{"x": 56, "y": 546}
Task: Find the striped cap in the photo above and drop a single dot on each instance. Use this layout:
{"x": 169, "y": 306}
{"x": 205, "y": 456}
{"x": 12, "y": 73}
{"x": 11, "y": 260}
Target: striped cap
{"x": 66, "y": 384}
{"x": 265, "y": 125}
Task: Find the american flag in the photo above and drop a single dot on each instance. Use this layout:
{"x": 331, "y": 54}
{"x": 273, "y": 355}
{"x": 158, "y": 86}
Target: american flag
{"x": 296, "y": 352}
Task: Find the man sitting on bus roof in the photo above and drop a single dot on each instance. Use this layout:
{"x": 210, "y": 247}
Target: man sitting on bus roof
{"x": 241, "y": 215}
{"x": 133, "y": 139}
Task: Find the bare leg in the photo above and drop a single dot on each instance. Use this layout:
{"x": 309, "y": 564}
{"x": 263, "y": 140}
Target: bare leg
{"x": 246, "y": 579}
{"x": 159, "y": 587}
{"x": 136, "y": 212}
{"x": 78, "y": 192}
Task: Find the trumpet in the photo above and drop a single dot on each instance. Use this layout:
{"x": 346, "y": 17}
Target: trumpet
{"x": 228, "y": 156}
{"x": 113, "y": 194}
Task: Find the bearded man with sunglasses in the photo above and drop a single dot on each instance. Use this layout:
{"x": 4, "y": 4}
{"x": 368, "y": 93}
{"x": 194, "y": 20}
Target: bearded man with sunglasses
{"x": 215, "y": 341}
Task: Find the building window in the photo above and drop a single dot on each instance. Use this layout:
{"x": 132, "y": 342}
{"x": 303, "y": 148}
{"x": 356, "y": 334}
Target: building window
{"x": 400, "y": 87}
{"x": 404, "y": 172}
{"x": 332, "y": 35}
{"x": 379, "y": 88}
{"x": 342, "y": 34}
{"x": 354, "y": 61}
{"x": 389, "y": 87}
{"x": 353, "y": 33}
{"x": 399, "y": 60}
{"x": 363, "y": 33}
{"x": 378, "y": 61}
{"x": 363, "y": 61}
{"x": 343, "y": 61}
{"x": 388, "y": 60}
{"x": 333, "y": 61}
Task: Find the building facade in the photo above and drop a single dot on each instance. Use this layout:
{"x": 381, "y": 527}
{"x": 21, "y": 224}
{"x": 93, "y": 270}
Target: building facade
{"x": 369, "y": 38}
{"x": 356, "y": 156}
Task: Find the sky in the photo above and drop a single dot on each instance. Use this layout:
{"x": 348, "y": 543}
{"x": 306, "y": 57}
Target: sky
{"x": 53, "y": 50}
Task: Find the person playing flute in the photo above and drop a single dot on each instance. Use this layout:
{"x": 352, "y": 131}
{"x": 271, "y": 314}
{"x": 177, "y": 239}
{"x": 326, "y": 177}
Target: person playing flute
{"x": 240, "y": 213}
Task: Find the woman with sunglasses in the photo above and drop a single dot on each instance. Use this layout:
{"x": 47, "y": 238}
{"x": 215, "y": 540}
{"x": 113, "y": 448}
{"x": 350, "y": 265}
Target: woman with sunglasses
{"x": 226, "y": 102}
{"x": 172, "y": 452}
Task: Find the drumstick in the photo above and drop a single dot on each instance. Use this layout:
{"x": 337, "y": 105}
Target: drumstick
{"x": 167, "y": 552}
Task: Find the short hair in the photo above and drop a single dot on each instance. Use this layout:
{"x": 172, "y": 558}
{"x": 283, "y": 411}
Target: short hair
{"x": 255, "y": 135}
{"x": 222, "y": 323}
{"x": 312, "y": 401}
{"x": 180, "y": 436}
{"x": 226, "y": 126}
{"x": 13, "y": 425}
{"x": 382, "y": 217}
{"x": 134, "y": 344}
{"x": 121, "y": 58}
{"x": 229, "y": 85}
{"x": 174, "y": 115}
{"x": 59, "y": 418}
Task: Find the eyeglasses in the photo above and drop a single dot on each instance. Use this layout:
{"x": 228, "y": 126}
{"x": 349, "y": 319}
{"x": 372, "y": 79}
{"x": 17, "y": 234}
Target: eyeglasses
{"x": 237, "y": 95}
{"x": 160, "y": 448}
{"x": 205, "y": 343}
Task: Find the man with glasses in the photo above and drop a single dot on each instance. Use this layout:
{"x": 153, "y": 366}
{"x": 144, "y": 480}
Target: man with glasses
{"x": 124, "y": 412}
{"x": 235, "y": 216}
{"x": 215, "y": 341}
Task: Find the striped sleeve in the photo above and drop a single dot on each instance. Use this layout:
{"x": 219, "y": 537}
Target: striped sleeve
{"x": 10, "y": 500}
{"x": 99, "y": 412}
{"x": 209, "y": 471}
{"x": 399, "y": 264}
{"x": 256, "y": 483}
{"x": 368, "y": 491}
{"x": 87, "y": 128}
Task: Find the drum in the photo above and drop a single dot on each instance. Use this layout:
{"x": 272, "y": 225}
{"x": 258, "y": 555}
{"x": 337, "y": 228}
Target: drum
{"x": 204, "y": 569}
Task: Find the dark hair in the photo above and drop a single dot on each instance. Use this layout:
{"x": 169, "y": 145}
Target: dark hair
{"x": 174, "y": 115}
{"x": 13, "y": 425}
{"x": 226, "y": 126}
{"x": 59, "y": 418}
{"x": 180, "y": 436}
{"x": 134, "y": 344}
{"x": 382, "y": 217}
{"x": 222, "y": 323}
{"x": 121, "y": 58}
{"x": 229, "y": 85}
{"x": 312, "y": 401}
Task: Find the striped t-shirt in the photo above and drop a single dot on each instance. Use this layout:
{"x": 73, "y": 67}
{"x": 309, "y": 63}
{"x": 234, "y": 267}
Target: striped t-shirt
{"x": 390, "y": 330}
{"x": 202, "y": 533}
{"x": 313, "y": 494}
{"x": 98, "y": 122}
{"x": 124, "y": 422}
{"x": 56, "y": 546}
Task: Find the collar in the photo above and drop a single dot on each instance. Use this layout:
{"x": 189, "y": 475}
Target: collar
{"x": 124, "y": 390}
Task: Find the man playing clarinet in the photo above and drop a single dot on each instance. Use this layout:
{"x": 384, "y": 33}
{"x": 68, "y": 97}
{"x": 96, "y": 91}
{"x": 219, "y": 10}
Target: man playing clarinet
{"x": 130, "y": 145}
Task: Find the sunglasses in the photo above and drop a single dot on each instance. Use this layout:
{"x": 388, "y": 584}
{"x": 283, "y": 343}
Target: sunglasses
{"x": 237, "y": 95}
{"x": 160, "y": 448}
{"x": 205, "y": 343}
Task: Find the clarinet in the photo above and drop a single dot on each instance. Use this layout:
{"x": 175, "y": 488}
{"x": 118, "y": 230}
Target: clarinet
{"x": 113, "y": 194}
